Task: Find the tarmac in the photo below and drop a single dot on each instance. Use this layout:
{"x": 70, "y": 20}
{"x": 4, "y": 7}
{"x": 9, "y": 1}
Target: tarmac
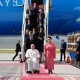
{"x": 60, "y": 68}
{"x": 9, "y": 42}
{"x": 13, "y": 68}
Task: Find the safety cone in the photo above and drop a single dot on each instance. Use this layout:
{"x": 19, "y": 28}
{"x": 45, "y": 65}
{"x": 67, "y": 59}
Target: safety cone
{"x": 68, "y": 59}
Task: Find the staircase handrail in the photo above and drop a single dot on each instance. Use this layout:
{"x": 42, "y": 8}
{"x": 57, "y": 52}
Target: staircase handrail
{"x": 24, "y": 24}
{"x": 46, "y": 9}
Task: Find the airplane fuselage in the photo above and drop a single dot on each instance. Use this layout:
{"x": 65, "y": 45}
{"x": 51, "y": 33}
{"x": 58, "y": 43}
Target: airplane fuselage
{"x": 63, "y": 17}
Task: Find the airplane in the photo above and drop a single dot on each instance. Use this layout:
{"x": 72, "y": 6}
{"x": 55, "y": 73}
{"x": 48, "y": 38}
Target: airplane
{"x": 64, "y": 16}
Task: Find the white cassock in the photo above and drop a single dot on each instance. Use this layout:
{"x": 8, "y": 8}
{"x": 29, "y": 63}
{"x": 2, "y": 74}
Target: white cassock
{"x": 32, "y": 59}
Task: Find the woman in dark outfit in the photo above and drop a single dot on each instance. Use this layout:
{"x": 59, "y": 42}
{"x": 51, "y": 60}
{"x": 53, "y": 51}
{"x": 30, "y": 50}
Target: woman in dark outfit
{"x": 41, "y": 40}
{"x": 35, "y": 35}
{"x": 40, "y": 19}
{"x": 27, "y": 33}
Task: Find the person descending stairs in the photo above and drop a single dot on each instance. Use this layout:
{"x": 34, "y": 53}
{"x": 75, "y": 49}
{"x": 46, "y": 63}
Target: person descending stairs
{"x": 35, "y": 28}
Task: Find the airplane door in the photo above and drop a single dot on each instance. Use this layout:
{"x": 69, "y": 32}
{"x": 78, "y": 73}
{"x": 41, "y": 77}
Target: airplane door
{"x": 37, "y": 1}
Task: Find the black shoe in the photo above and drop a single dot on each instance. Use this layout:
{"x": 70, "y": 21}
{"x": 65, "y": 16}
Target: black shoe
{"x": 34, "y": 72}
{"x": 29, "y": 72}
{"x": 37, "y": 71}
{"x": 48, "y": 72}
{"x": 39, "y": 61}
{"x": 60, "y": 60}
{"x": 51, "y": 72}
{"x": 12, "y": 59}
{"x": 21, "y": 61}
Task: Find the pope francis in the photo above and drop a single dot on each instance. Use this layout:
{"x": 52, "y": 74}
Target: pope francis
{"x": 32, "y": 60}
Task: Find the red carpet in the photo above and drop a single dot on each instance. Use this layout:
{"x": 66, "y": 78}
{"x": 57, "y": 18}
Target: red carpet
{"x": 42, "y": 76}
{"x": 42, "y": 73}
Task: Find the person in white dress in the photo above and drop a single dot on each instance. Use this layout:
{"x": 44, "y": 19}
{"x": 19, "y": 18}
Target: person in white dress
{"x": 32, "y": 60}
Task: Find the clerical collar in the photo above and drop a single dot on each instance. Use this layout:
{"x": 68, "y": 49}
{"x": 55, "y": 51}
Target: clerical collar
{"x": 33, "y": 49}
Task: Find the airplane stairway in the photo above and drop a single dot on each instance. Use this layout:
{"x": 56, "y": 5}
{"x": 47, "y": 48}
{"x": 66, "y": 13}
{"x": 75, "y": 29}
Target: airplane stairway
{"x": 46, "y": 11}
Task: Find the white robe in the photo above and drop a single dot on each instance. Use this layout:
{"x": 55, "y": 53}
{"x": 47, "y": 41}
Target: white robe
{"x": 32, "y": 59}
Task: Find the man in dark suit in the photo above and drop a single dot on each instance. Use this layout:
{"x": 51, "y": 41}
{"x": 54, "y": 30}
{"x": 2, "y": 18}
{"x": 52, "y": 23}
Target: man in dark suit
{"x": 35, "y": 12}
{"x": 40, "y": 19}
{"x": 30, "y": 40}
{"x": 40, "y": 25}
{"x": 18, "y": 49}
{"x": 63, "y": 49}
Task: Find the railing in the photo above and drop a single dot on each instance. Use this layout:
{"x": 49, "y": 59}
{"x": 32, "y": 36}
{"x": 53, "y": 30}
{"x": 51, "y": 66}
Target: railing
{"x": 46, "y": 9}
{"x": 24, "y": 26}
